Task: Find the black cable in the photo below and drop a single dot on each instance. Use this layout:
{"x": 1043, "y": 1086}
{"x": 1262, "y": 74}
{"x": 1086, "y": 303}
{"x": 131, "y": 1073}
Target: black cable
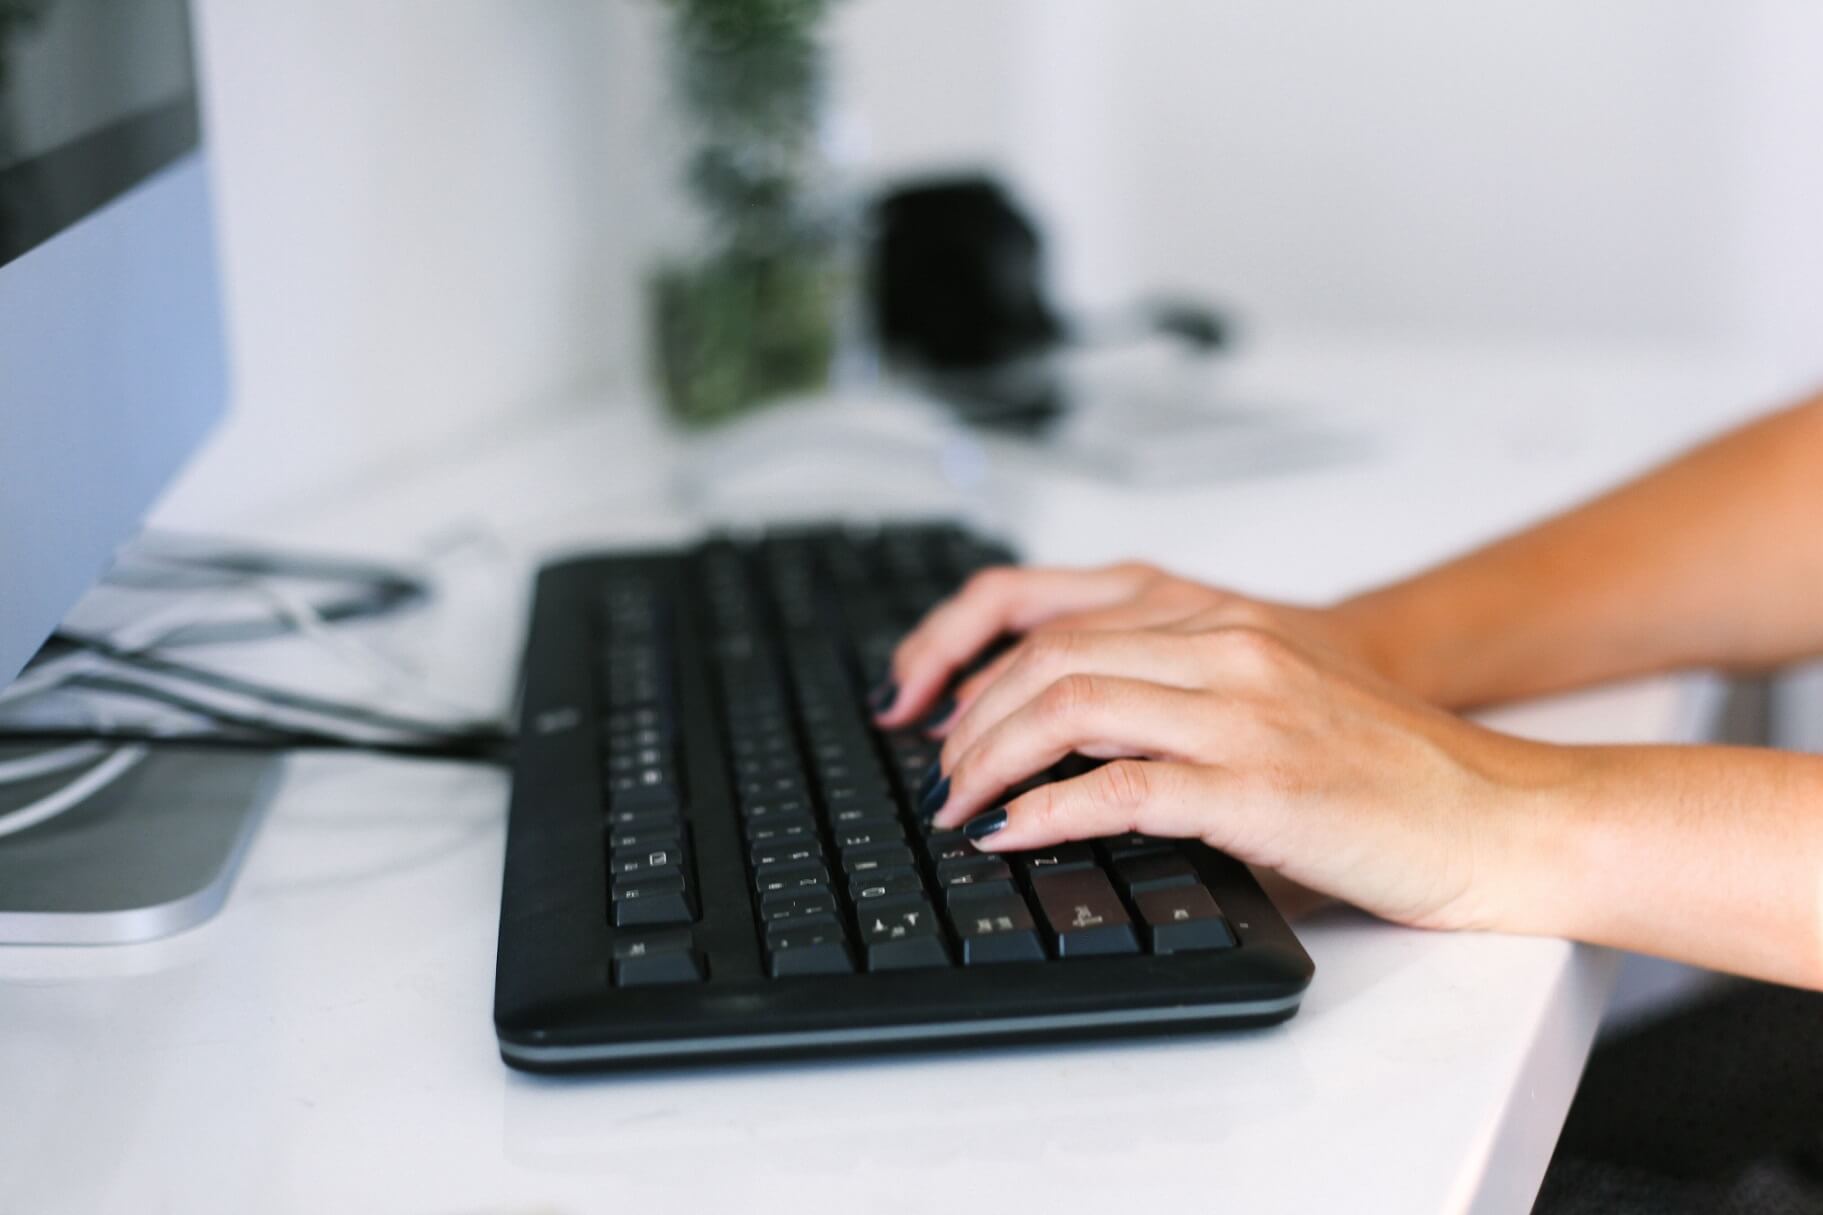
{"x": 282, "y": 697}
{"x": 384, "y": 589}
{"x": 499, "y": 752}
{"x": 234, "y": 719}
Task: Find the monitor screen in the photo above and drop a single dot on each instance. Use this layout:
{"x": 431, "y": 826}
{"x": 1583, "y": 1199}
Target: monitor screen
{"x": 95, "y": 96}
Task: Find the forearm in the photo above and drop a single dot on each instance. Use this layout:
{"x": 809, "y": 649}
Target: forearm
{"x": 1715, "y": 559}
{"x": 1707, "y": 855}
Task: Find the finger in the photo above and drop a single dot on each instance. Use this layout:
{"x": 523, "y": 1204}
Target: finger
{"x": 1098, "y": 716}
{"x": 1043, "y": 660}
{"x": 994, "y": 601}
{"x": 1136, "y": 614}
{"x": 1167, "y": 799}
{"x": 970, "y": 690}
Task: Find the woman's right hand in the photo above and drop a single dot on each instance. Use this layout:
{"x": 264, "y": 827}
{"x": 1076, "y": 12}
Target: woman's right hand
{"x": 1023, "y": 601}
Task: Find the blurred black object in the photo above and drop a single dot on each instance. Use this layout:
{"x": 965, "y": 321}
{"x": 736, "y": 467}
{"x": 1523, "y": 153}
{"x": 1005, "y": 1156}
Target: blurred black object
{"x": 1711, "y": 1109}
{"x": 957, "y": 276}
{"x": 956, "y": 280}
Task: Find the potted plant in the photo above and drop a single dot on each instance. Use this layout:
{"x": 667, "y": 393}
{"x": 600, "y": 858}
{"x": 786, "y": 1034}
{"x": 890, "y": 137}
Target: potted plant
{"x": 747, "y": 310}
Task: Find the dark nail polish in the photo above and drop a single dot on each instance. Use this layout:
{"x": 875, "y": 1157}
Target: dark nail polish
{"x": 930, "y": 780}
{"x": 984, "y": 825}
{"x": 933, "y": 801}
{"x": 939, "y": 713}
{"x": 881, "y": 698}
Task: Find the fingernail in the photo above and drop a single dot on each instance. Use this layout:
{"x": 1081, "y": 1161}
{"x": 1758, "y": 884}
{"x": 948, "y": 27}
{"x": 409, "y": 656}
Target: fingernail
{"x": 930, "y": 780}
{"x": 933, "y": 801}
{"x": 984, "y": 825}
{"x": 939, "y": 714}
{"x": 881, "y": 698}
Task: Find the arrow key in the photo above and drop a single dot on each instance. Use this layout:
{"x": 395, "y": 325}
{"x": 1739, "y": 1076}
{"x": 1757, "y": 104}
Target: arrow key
{"x": 903, "y": 935}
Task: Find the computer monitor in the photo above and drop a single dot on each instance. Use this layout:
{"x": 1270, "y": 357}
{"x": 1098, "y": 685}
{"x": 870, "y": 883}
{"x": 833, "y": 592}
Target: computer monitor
{"x": 112, "y": 369}
{"x": 112, "y": 363}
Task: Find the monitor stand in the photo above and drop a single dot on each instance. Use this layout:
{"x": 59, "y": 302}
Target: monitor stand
{"x": 152, "y": 854}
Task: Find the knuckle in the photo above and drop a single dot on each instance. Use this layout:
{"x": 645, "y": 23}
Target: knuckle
{"x": 1125, "y": 784}
{"x": 1052, "y": 649}
{"x": 1254, "y": 653}
{"x": 1067, "y": 697}
{"x": 1046, "y": 808}
{"x": 1041, "y": 653}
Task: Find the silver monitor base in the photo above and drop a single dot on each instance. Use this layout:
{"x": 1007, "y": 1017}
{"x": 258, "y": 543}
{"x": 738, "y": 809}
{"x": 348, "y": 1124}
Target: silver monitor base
{"x": 150, "y": 855}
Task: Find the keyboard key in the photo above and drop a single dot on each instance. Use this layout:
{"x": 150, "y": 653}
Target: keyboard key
{"x": 623, "y": 720}
{"x": 849, "y": 773}
{"x": 671, "y": 877}
{"x": 769, "y": 830}
{"x": 658, "y": 900}
{"x": 1060, "y": 859}
{"x": 870, "y": 887}
{"x": 842, "y": 796}
{"x": 877, "y": 857}
{"x": 863, "y": 837}
{"x": 630, "y": 761}
{"x": 785, "y": 852}
{"x": 1155, "y": 871}
{"x": 666, "y": 836}
{"x": 765, "y": 767}
{"x": 786, "y": 779}
{"x": 968, "y": 889}
{"x": 865, "y": 814}
{"x": 970, "y": 870}
{"x": 815, "y": 949}
{"x": 1084, "y": 914}
{"x": 836, "y": 750}
{"x": 624, "y": 881}
{"x": 949, "y": 846}
{"x": 967, "y": 880}
{"x": 800, "y": 907}
{"x": 763, "y": 809}
{"x": 656, "y": 958}
{"x": 646, "y": 789}
{"x": 647, "y": 818}
{"x": 1183, "y": 918}
{"x": 775, "y": 743}
{"x": 996, "y": 929}
{"x": 617, "y": 742}
{"x": 788, "y": 881}
{"x": 903, "y": 936}
{"x": 624, "y": 862}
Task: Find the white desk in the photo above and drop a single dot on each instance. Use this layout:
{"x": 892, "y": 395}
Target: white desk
{"x": 325, "y": 1045}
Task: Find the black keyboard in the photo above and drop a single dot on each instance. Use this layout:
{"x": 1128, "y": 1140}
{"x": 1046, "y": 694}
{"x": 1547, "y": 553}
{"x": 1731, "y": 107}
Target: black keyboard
{"x": 713, "y": 854}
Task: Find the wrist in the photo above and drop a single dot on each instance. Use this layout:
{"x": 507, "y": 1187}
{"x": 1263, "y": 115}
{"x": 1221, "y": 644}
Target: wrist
{"x": 1571, "y": 859}
{"x": 1383, "y": 630}
{"x": 1522, "y": 838}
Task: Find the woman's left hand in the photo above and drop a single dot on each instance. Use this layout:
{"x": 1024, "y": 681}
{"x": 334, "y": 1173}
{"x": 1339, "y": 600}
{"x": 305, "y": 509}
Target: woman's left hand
{"x": 1282, "y": 755}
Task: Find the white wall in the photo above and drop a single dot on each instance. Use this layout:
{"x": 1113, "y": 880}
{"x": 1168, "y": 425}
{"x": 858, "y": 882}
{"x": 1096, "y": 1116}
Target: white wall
{"x": 1633, "y": 171}
{"x": 422, "y": 224}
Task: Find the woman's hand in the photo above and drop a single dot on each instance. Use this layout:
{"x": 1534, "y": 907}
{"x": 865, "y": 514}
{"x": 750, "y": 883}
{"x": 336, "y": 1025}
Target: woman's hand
{"x": 1275, "y": 751}
{"x": 1035, "y": 601}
